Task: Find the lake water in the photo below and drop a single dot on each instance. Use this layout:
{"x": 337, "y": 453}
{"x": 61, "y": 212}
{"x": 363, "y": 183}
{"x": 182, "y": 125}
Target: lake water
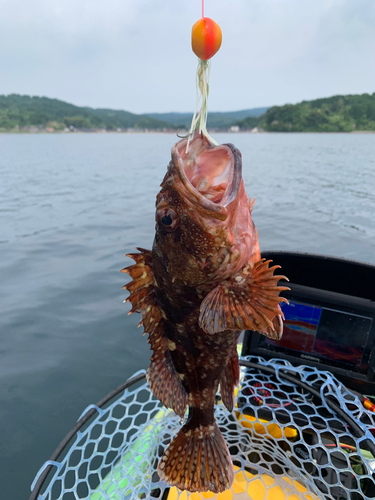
{"x": 72, "y": 206}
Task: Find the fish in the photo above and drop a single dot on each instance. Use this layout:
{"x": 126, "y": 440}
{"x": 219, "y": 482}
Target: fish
{"x": 203, "y": 282}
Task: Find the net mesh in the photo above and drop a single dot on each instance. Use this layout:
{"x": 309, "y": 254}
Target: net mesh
{"x": 285, "y": 444}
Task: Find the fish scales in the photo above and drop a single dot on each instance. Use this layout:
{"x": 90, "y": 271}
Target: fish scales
{"x": 202, "y": 284}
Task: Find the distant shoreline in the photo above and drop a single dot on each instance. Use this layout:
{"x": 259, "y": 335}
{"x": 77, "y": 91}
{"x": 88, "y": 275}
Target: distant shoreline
{"x": 60, "y": 132}
{"x": 335, "y": 114}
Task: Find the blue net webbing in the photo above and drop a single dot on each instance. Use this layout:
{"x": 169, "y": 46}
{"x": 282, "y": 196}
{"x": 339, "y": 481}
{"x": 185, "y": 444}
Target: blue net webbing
{"x": 285, "y": 444}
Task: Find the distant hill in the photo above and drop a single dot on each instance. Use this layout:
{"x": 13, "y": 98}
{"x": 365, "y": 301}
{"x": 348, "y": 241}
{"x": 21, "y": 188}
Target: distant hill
{"x": 340, "y": 113}
{"x": 249, "y": 123}
{"x": 22, "y": 111}
{"x": 220, "y": 120}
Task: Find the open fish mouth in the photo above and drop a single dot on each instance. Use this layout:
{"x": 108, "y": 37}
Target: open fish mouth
{"x": 211, "y": 174}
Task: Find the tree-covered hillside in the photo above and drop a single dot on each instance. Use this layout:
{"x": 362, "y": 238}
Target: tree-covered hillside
{"x": 21, "y": 111}
{"x": 331, "y": 114}
{"x": 249, "y": 123}
{"x": 217, "y": 120}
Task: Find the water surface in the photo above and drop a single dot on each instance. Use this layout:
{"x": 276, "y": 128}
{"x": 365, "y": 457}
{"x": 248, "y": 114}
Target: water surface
{"x": 72, "y": 206}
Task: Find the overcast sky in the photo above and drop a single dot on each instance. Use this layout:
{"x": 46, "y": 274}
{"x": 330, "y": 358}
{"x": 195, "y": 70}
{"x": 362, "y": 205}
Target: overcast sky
{"x": 136, "y": 54}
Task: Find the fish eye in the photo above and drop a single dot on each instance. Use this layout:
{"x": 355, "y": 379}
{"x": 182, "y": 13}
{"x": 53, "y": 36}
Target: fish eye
{"x": 167, "y": 219}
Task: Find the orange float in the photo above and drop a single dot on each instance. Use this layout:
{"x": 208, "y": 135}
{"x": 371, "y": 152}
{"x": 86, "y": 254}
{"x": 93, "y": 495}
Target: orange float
{"x": 206, "y": 38}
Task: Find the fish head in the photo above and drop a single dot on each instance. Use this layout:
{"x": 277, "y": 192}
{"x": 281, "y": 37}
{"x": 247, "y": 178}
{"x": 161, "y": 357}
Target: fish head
{"x": 204, "y": 229}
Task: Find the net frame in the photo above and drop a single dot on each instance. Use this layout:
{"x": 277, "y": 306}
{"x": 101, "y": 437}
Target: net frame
{"x": 280, "y": 435}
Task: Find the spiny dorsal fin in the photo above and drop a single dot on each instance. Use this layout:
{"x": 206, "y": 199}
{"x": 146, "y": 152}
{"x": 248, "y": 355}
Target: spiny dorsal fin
{"x": 229, "y": 379}
{"x": 142, "y": 286}
{"x": 161, "y": 374}
{"x": 249, "y": 301}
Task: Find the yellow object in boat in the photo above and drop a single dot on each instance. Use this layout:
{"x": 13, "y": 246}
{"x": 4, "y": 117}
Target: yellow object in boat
{"x": 249, "y": 486}
{"x": 262, "y": 427}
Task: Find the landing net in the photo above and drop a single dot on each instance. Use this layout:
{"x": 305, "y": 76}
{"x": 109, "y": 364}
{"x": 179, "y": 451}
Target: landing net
{"x": 285, "y": 444}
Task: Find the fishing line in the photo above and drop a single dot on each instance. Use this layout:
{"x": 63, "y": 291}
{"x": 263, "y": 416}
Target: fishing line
{"x": 206, "y": 41}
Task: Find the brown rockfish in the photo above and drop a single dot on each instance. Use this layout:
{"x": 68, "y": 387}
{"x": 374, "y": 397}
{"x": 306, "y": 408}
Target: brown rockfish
{"x": 202, "y": 284}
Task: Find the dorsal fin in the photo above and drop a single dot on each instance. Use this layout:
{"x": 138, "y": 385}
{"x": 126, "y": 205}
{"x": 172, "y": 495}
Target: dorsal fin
{"x": 161, "y": 374}
{"x": 142, "y": 285}
{"x": 249, "y": 301}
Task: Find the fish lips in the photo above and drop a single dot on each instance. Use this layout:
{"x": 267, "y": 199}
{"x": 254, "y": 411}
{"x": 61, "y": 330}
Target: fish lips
{"x": 184, "y": 162}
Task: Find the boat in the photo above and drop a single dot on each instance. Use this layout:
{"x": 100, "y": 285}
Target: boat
{"x": 299, "y": 431}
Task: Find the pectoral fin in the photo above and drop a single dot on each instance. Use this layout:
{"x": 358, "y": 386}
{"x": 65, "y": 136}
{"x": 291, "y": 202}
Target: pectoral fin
{"x": 250, "y": 301}
{"x": 161, "y": 374}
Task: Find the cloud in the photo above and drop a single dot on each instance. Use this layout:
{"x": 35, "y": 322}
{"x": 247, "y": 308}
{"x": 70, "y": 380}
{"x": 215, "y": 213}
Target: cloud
{"x": 135, "y": 54}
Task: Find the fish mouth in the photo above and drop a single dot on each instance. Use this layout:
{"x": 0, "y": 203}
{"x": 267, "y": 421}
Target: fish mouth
{"x": 211, "y": 174}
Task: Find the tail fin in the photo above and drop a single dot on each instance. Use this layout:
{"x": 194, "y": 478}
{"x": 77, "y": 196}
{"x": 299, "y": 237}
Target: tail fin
{"x": 198, "y": 460}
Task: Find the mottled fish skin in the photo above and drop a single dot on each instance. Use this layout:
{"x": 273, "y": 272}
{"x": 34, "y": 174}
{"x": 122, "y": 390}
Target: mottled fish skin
{"x": 202, "y": 284}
